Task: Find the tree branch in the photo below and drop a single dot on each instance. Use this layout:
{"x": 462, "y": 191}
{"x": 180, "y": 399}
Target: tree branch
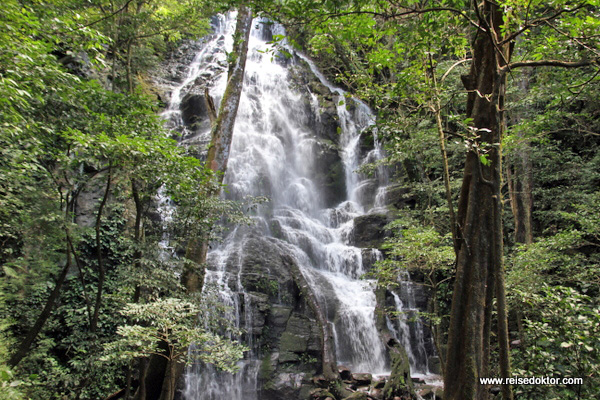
{"x": 549, "y": 63}
{"x": 537, "y": 22}
{"x": 108, "y": 16}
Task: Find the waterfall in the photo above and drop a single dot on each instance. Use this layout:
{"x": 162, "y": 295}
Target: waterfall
{"x": 277, "y": 153}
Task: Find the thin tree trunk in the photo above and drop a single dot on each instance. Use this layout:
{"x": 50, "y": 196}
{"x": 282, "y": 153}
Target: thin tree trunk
{"x": 502, "y": 311}
{"x": 222, "y": 132}
{"x": 520, "y": 184}
{"x": 99, "y": 258}
{"x": 128, "y": 67}
{"x": 137, "y": 256}
{"x": 88, "y": 304}
{"x": 437, "y": 109}
{"x": 45, "y": 314}
{"x": 519, "y": 173}
{"x": 221, "y": 137}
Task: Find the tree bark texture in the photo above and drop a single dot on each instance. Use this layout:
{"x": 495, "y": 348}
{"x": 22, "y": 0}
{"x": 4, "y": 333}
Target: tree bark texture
{"x": 479, "y": 270}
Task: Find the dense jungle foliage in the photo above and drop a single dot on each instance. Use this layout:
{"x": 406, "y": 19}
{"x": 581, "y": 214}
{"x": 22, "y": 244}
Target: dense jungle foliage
{"x": 85, "y": 295}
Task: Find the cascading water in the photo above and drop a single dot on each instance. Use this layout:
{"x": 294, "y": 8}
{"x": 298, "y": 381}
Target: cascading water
{"x": 276, "y": 153}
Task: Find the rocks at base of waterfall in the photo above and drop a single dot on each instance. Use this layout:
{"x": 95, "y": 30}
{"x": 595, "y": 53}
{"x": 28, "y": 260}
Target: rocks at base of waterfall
{"x": 434, "y": 365}
{"x": 369, "y": 230}
{"x": 358, "y": 395}
{"x": 345, "y": 373}
{"x": 282, "y": 385}
{"x": 361, "y": 379}
{"x": 321, "y": 394}
{"x": 430, "y": 392}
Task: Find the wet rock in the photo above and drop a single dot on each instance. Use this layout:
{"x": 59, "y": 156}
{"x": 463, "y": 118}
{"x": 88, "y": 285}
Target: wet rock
{"x": 435, "y": 365}
{"x": 344, "y": 372}
{"x": 320, "y": 381}
{"x": 377, "y": 393}
{"x": 194, "y": 112}
{"x": 300, "y": 342}
{"x": 278, "y": 316}
{"x": 367, "y": 191}
{"x": 329, "y": 174}
{"x": 263, "y": 270}
{"x": 369, "y": 230}
{"x": 285, "y": 385}
{"x": 290, "y": 342}
{"x": 369, "y": 258}
{"x": 362, "y": 379}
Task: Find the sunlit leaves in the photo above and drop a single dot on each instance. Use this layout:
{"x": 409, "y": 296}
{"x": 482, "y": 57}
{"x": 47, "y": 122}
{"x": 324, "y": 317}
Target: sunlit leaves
{"x": 167, "y": 327}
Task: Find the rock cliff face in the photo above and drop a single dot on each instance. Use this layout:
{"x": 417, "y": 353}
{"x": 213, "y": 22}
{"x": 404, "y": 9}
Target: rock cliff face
{"x": 292, "y": 144}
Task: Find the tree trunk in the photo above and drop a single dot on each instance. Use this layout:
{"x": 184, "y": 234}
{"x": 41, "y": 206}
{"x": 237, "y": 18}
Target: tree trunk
{"x": 479, "y": 260}
{"x": 45, "y": 314}
{"x": 437, "y": 110}
{"x": 221, "y": 137}
{"x": 222, "y": 132}
{"x": 99, "y": 258}
{"x": 519, "y": 174}
{"x": 169, "y": 383}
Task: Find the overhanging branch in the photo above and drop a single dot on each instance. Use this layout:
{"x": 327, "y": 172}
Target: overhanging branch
{"x": 549, "y": 63}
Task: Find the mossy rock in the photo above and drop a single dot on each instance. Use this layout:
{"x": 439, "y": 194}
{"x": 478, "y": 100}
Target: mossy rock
{"x": 399, "y": 383}
{"x": 357, "y": 396}
{"x": 321, "y": 394}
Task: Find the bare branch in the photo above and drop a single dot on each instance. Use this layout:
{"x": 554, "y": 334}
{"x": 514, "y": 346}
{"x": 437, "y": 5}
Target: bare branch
{"x": 456, "y": 64}
{"x": 108, "y": 16}
{"x": 549, "y": 63}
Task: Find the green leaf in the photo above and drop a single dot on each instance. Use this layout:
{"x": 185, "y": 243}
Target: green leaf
{"x": 483, "y": 158}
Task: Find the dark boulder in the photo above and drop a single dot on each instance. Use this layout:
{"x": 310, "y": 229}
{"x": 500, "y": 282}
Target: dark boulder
{"x": 369, "y": 230}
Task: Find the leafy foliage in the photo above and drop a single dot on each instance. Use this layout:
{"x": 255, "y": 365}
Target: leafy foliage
{"x": 168, "y": 327}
